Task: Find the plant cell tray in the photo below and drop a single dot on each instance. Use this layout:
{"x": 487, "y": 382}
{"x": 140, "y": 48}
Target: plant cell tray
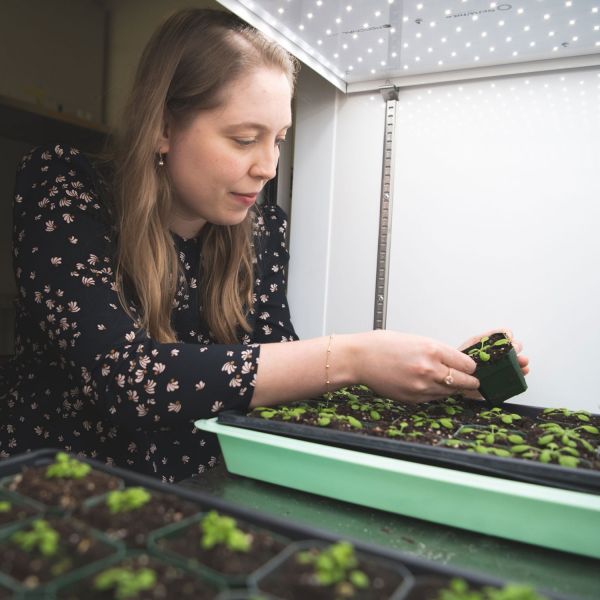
{"x": 582, "y": 480}
{"x": 546, "y": 516}
{"x": 416, "y": 572}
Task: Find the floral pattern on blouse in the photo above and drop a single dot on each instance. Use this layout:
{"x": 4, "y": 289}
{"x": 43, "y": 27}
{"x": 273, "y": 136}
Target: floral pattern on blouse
{"x": 85, "y": 377}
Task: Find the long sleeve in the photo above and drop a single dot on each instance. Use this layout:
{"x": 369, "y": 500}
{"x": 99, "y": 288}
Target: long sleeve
{"x": 65, "y": 275}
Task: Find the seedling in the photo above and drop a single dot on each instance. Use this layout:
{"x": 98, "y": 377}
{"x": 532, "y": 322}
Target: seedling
{"x": 581, "y": 415}
{"x": 326, "y": 417}
{"x": 41, "y": 537}
{"x": 498, "y": 413}
{"x": 121, "y": 501}
{"x": 126, "y": 583}
{"x": 65, "y": 467}
{"x": 482, "y": 352}
{"x": 221, "y": 530}
{"x": 336, "y": 566}
{"x": 422, "y": 419}
{"x": 397, "y": 430}
{"x": 493, "y": 434}
{"x": 477, "y": 446}
{"x": 265, "y": 412}
{"x": 451, "y": 407}
{"x": 565, "y": 456}
{"x": 566, "y": 436}
{"x": 346, "y": 394}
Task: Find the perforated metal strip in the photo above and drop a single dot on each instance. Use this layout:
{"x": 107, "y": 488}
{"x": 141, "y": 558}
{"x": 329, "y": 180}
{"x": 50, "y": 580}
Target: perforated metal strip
{"x": 390, "y": 95}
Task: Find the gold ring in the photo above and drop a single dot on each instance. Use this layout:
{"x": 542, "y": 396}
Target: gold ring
{"x": 449, "y": 380}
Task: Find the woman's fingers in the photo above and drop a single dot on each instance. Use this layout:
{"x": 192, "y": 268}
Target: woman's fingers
{"x": 455, "y": 381}
{"x": 455, "y": 359}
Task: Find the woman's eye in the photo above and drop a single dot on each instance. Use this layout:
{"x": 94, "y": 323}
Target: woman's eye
{"x": 280, "y": 141}
{"x": 244, "y": 142}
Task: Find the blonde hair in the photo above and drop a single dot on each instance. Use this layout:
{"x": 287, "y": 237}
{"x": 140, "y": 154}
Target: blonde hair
{"x": 184, "y": 68}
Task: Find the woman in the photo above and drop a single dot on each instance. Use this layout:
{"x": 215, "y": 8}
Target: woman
{"x": 157, "y": 297}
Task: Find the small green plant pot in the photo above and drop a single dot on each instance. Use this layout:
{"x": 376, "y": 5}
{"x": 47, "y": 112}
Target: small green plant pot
{"x": 81, "y": 584}
{"x": 127, "y": 526}
{"x": 501, "y": 380}
{"x": 63, "y": 503}
{"x": 160, "y": 543}
{"x": 281, "y": 572}
{"x": 13, "y": 568}
{"x": 22, "y": 511}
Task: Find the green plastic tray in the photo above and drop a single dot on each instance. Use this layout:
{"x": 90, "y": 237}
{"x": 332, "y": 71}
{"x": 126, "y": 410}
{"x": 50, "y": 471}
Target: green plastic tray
{"x": 536, "y": 514}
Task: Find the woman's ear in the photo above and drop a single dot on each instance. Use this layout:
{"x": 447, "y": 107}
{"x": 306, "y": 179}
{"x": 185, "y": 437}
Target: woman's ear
{"x": 164, "y": 138}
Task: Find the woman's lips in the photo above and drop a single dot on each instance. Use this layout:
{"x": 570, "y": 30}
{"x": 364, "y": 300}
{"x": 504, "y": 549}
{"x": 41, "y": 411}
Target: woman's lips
{"x": 246, "y": 199}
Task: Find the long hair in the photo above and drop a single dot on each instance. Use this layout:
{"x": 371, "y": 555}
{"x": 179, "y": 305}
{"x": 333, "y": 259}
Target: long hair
{"x": 184, "y": 69}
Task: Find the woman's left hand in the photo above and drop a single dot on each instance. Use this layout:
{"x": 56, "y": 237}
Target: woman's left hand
{"x": 518, "y": 346}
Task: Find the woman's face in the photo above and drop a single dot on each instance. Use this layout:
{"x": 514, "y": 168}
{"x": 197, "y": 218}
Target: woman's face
{"x": 222, "y": 159}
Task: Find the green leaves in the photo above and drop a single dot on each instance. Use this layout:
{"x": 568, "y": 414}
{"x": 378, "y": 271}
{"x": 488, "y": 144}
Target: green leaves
{"x": 335, "y": 566}
{"x": 127, "y": 583}
{"x": 545, "y": 439}
{"x": 41, "y": 536}
{"x": 120, "y": 501}
{"x": 221, "y": 530}
{"x": 66, "y": 467}
{"x": 354, "y": 422}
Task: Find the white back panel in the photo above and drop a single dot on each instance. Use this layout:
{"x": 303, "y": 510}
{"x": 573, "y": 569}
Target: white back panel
{"x": 496, "y": 222}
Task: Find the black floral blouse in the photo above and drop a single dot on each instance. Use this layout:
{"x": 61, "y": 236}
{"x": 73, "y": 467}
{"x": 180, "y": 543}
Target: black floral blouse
{"x": 84, "y": 378}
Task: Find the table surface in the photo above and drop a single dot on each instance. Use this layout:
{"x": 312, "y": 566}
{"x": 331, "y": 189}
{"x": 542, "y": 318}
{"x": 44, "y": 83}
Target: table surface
{"x": 559, "y": 572}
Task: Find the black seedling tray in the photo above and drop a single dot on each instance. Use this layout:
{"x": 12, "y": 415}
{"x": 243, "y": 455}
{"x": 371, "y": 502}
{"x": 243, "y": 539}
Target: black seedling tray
{"x": 418, "y": 567}
{"x": 529, "y": 471}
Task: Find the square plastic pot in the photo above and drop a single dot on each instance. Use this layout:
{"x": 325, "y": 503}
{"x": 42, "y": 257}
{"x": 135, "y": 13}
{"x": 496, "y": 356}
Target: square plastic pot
{"x": 31, "y": 585}
{"x": 81, "y": 583}
{"x": 501, "y": 380}
{"x": 155, "y": 544}
{"x": 277, "y": 567}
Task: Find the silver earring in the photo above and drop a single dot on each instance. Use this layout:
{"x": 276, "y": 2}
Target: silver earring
{"x": 161, "y": 162}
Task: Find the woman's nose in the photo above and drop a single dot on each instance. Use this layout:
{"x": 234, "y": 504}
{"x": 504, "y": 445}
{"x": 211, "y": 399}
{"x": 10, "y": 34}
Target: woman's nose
{"x": 265, "y": 163}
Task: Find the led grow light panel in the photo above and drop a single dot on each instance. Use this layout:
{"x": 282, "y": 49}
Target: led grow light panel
{"x": 361, "y": 40}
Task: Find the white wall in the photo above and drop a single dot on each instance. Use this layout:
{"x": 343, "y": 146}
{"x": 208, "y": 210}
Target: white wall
{"x": 514, "y": 158}
{"x": 496, "y": 218}
{"x": 335, "y": 207}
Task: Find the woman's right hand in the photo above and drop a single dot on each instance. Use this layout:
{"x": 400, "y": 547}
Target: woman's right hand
{"x": 409, "y": 368}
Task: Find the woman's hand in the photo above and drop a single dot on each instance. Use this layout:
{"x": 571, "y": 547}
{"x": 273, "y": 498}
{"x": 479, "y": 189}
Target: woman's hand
{"x": 411, "y": 368}
{"x": 518, "y": 346}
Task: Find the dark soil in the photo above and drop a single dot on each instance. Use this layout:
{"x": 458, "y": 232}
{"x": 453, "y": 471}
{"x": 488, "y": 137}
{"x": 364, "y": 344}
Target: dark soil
{"x": 495, "y": 353}
{"x": 61, "y": 493}
{"x": 134, "y": 526}
{"x": 187, "y": 544}
{"x": 77, "y": 548}
{"x": 570, "y": 418}
{"x": 18, "y": 512}
{"x": 294, "y": 581}
{"x": 434, "y": 423}
{"x": 172, "y": 582}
